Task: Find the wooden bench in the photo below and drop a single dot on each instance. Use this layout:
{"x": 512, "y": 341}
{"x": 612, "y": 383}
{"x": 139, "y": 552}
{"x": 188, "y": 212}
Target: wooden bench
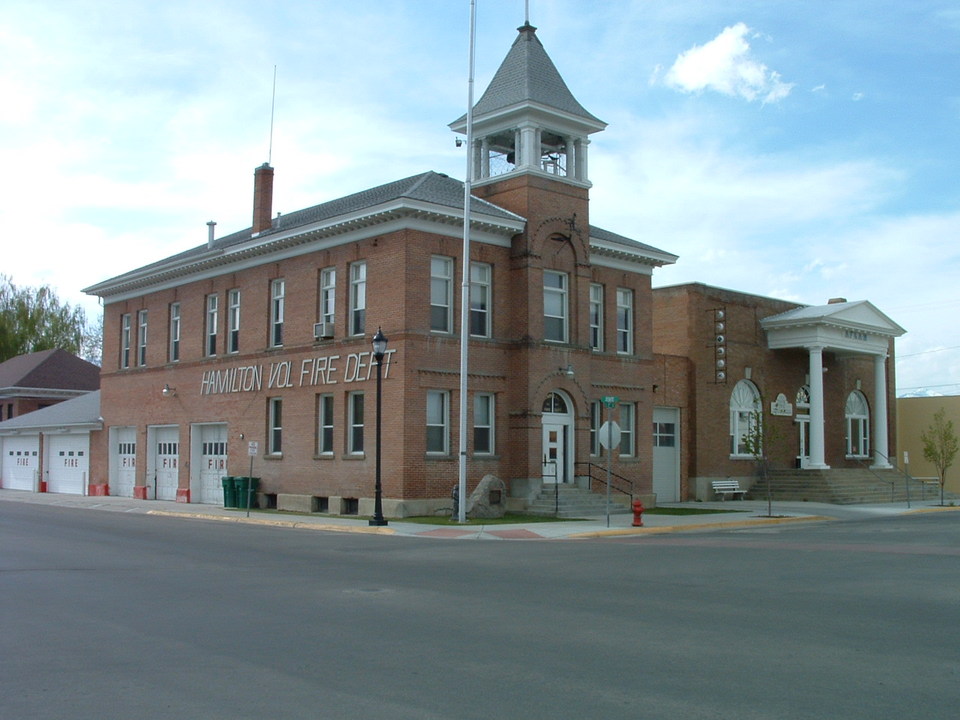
{"x": 727, "y": 487}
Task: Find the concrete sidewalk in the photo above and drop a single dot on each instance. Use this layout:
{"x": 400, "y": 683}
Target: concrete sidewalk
{"x": 750, "y": 513}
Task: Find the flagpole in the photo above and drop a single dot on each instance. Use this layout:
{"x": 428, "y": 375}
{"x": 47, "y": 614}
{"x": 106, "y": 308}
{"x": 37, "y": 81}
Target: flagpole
{"x": 465, "y": 284}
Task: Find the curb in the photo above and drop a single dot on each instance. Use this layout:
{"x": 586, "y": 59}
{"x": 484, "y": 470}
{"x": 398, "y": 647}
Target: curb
{"x": 280, "y": 523}
{"x": 698, "y": 526}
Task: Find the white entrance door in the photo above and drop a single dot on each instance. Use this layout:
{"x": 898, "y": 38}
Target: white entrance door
{"x": 68, "y": 463}
{"x": 557, "y": 447}
{"x": 803, "y": 433}
{"x": 21, "y": 462}
{"x": 166, "y": 462}
{"x": 213, "y": 462}
{"x": 554, "y": 443}
{"x": 123, "y": 448}
{"x": 666, "y": 454}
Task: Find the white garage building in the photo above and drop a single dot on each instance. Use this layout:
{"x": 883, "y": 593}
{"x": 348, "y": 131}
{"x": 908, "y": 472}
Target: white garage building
{"x": 48, "y": 450}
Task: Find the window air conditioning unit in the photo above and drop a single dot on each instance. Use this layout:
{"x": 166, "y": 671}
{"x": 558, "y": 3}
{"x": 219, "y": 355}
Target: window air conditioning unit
{"x": 322, "y": 330}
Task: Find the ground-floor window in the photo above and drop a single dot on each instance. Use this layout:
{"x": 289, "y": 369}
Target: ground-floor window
{"x": 438, "y": 421}
{"x": 744, "y": 411}
{"x": 324, "y": 424}
{"x": 858, "y": 425}
{"x": 628, "y": 412}
{"x": 275, "y": 436}
{"x": 483, "y": 415}
{"x": 355, "y": 423}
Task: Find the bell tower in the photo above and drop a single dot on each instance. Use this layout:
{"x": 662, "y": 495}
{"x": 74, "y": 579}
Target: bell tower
{"x": 528, "y": 123}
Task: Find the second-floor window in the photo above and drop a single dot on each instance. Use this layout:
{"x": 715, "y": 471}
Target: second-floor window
{"x": 624, "y": 321}
{"x": 125, "y": 340}
{"x": 480, "y": 292}
{"x": 277, "y": 297}
{"x": 328, "y": 295}
{"x": 233, "y": 321}
{"x": 355, "y": 423}
{"x": 441, "y": 294}
{"x": 213, "y": 307}
{"x": 554, "y": 306}
{"x": 174, "y": 351}
{"x": 142, "y": 337}
{"x": 358, "y": 298}
{"x": 275, "y": 439}
{"x": 596, "y": 317}
{"x": 325, "y": 424}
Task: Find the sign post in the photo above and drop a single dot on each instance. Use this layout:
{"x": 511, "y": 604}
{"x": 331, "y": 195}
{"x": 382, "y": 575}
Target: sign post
{"x": 609, "y": 439}
{"x": 252, "y": 449}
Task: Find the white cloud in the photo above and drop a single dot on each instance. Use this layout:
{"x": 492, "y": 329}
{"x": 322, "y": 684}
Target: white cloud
{"x": 725, "y": 65}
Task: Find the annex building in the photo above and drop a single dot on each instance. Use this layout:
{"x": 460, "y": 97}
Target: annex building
{"x": 251, "y": 354}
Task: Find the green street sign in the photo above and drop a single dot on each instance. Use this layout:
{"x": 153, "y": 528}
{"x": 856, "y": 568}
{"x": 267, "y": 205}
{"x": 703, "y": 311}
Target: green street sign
{"x": 610, "y": 400}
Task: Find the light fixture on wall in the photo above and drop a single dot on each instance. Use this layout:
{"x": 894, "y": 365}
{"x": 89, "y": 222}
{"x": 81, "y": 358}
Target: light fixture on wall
{"x": 568, "y": 370}
{"x": 168, "y": 391}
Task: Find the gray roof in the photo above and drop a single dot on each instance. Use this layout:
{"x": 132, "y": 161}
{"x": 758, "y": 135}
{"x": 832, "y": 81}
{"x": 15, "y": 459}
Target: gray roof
{"x": 661, "y": 256}
{"x": 432, "y": 189}
{"x": 83, "y": 411}
{"x": 48, "y": 370}
{"x": 528, "y": 75}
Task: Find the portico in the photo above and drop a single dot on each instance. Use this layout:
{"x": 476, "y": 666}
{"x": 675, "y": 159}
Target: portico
{"x": 840, "y": 328}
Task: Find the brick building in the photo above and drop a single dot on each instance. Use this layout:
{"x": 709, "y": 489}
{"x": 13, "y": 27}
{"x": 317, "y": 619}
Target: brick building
{"x": 821, "y": 377}
{"x": 263, "y": 336}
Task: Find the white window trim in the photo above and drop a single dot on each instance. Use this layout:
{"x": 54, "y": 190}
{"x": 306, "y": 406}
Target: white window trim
{"x": 210, "y": 326}
{"x": 328, "y": 295}
{"x": 277, "y": 301}
{"x": 442, "y": 274}
{"x": 325, "y": 408}
{"x": 125, "y": 340}
{"x": 563, "y": 293}
{"x": 233, "y": 321}
{"x": 628, "y": 429}
{"x": 173, "y": 352}
{"x": 275, "y": 434}
{"x": 596, "y": 328}
{"x": 352, "y": 425}
{"x": 444, "y": 423}
{"x": 358, "y": 298}
{"x": 489, "y": 426}
{"x": 744, "y": 402}
{"x": 624, "y": 321}
{"x": 481, "y": 280}
{"x": 141, "y": 337}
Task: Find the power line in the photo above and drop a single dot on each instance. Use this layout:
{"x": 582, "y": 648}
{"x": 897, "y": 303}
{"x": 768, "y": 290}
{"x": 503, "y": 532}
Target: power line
{"x": 927, "y": 352}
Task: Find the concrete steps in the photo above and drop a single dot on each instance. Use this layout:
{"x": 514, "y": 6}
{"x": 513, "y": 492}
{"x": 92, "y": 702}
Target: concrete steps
{"x": 570, "y": 501}
{"x": 843, "y": 487}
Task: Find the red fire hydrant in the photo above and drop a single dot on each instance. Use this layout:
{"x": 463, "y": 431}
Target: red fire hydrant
{"x": 637, "y": 513}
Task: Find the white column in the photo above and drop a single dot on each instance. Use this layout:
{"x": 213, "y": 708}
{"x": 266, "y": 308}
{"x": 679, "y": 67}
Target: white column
{"x": 816, "y": 409}
{"x": 530, "y": 148}
{"x": 881, "y": 451}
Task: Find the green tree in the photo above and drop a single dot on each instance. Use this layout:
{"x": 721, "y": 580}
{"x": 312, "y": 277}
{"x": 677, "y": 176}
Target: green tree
{"x": 760, "y": 438}
{"x": 34, "y": 319}
{"x": 940, "y": 445}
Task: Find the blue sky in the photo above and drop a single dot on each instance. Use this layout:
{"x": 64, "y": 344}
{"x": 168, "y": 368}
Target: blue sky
{"x": 801, "y": 150}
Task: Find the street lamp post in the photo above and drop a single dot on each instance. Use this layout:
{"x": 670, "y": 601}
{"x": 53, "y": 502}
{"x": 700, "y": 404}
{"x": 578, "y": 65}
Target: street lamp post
{"x": 379, "y": 350}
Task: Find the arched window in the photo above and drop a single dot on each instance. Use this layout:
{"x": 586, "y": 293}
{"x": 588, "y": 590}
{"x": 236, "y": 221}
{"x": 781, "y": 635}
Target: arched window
{"x": 555, "y": 404}
{"x": 744, "y": 410}
{"x": 858, "y": 425}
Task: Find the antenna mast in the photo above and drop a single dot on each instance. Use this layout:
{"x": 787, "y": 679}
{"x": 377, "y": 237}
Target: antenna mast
{"x": 273, "y": 104}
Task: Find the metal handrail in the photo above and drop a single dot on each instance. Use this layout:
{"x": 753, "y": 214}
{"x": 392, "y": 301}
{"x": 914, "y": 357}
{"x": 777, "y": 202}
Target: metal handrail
{"x": 602, "y": 478}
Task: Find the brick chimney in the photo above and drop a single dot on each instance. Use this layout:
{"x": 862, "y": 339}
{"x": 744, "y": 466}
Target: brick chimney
{"x": 262, "y": 198}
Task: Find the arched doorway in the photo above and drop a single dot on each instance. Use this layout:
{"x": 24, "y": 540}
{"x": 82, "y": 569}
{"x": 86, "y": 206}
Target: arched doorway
{"x": 557, "y": 445}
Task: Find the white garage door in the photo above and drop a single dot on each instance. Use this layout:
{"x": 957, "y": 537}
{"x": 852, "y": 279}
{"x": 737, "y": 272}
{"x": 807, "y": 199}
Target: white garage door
{"x": 124, "y": 462}
{"x": 213, "y": 463}
{"x": 666, "y": 454}
{"x": 166, "y": 462}
{"x": 68, "y": 463}
{"x": 21, "y": 462}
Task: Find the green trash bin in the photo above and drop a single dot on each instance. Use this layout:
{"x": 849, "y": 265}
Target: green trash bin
{"x": 246, "y": 489}
{"x": 229, "y": 491}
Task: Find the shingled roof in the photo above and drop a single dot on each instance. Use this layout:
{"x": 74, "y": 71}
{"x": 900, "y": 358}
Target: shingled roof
{"x": 526, "y": 76}
{"x": 48, "y": 370}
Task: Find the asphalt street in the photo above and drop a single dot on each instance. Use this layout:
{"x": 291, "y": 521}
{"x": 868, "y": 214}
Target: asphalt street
{"x": 121, "y": 615}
